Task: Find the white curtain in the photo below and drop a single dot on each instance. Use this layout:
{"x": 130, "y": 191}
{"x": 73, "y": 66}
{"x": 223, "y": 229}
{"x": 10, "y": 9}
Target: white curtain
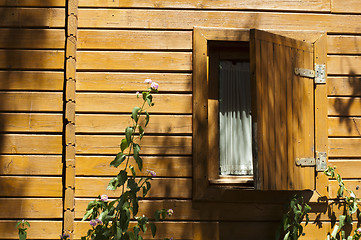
{"x": 235, "y": 122}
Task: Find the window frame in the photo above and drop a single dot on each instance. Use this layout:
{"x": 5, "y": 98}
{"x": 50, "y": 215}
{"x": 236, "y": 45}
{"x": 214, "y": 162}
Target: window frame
{"x": 205, "y": 185}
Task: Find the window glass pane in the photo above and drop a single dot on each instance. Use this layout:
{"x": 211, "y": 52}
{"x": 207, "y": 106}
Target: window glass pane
{"x": 235, "y": 121}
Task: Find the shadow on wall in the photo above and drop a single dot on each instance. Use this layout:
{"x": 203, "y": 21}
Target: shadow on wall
{"x": 22, "y": 34}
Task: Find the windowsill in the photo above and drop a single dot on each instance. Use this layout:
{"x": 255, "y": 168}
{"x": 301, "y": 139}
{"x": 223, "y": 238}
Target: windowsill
{"x": 239, "y": 181}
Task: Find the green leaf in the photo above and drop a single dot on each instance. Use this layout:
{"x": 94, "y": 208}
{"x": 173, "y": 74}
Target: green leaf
{"x": 153, "y": 228}
{"x": 340, "y": 191}
{"x": 135, "y": 113}
{"x": 157, "y": 215}
{"x": 286, "y": 236}
{"x": 335, "y": 230}
{"x": 146, "y": 118}
{"x": 342, "y": 220}
{"x": 122, "y": 176}
{"x": 149, "y": 99}
{"x": 22, "y": 234}
{"x": 133, "y": 171}
{"x": 135, "y": 207}
{"x": 128, "y": 134}
{"x": 133, "y": 186}
{"x": 118, "y": 159}
{"x": 136, "y": 157}
{"x": 132, "y": 236}
{"x": 87, "y": 214}
{"x": 141, "y": 132}
{"x": 113, "y": 184}
{"x": 145, "y": 94}
{"x": 124, "y": 144}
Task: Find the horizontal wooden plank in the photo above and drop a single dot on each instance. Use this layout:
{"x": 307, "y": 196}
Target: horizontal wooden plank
{"x": 37, "y": 230}
{"x": 31, "y": 122}
{"x": 32, "y": 17}
{"x": 344, "y": 86}
{"x": 32, "y": 59}
{"x": 12, "y": 186}
{"x": 32, "y": 38}
{"x": 125, "y": 60}
{"x": 353, "y": 185}
{"x": 109, "y": 81}
{"x": 102, "y": 123}
{"x": 169, "y": 19}
{"x": 308, "y": 5}
{"x": 344, "y": 126}
{"x": 343, "y": 65}
{"x": 176, "y": 230}
{"x": 33, "y": 3}
{"x": 163, "y": 166}
{"x": 343, "y": 44}
{"x": 120, "y": 39}
{"x": 349, "y": 6}
{"x": 31, "y": 101}
{"x": 346, "y": 168}
{"x": 228, "y": 230}
{"x": 212, "y": 211}
{"x": 344, "y": 147}
{"x": 124, "y": 102}
{"x": 31, "y": 165}
{"x": 161, "y": 188}
{"x": 30, "y": 144}
{"x": 344, "y": 106}
{"x": 34, "y": 208}
{"x": 31, "y": 80}
{"x": 109, "y": 144}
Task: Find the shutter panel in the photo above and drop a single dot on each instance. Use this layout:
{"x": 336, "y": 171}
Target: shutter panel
{"x": 283, "y": 111}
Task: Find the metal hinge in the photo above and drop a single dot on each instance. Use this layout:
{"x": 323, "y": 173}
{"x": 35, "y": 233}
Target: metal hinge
{"x": 319, "y": 74}
{"x": 320, "y": 162}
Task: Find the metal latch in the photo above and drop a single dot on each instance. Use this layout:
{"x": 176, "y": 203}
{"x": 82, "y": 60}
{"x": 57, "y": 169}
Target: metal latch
{"x": 319, "y": 74}
{"x": 320, "y": 162}
{"x": 305, "y": 162}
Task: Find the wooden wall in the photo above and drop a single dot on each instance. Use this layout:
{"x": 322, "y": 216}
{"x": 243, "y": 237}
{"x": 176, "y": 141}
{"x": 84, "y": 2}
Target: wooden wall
{"x": 31, "y": 123}
{"x": 120, "y": 43}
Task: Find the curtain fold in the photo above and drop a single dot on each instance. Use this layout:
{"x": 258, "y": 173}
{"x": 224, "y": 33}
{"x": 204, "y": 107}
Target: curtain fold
{"x": 235, "y": 120}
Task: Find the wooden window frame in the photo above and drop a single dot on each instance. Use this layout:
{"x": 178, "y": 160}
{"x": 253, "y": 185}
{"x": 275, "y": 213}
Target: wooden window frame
{"x": 206, "y": 185}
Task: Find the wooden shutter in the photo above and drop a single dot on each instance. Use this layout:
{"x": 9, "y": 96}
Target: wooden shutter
{"x": 283, "y": 111}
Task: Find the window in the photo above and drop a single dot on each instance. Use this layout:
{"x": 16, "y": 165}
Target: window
{"x": 281, "y": 113}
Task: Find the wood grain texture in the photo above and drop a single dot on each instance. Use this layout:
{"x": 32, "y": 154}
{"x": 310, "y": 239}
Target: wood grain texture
{"x": 27, "y": 122}
{"x": 123, "y": 102}
{"x": 169, "y": 19}
{"x": 350, "y": 6}
{"x": 31, "y": 101}
{"x": 109, "y": 81}
{"x": 344, "y": 106}
{"x": 33, "y": 17}
{"x": 35, "y": 208}
{"x": 345, "y": 65}
{"x": 31, "y": 59}
{"x": 344, "y": 147}
{"x": 31, "y": 80}
{"x": 30, "y": 186}
{"x": 181, "y": 230}
{"x": 30, "y": 144}
{"x": 169, "y": 145}
{"x": 33, "y": 3}
{"x": 179, "y": 188}
{"x": 31, "y": 165}
{"x": 344, "y": 126}
{"x": 13, "y": 38}
{"x": 319, "y": 5}
{"x": 344, "y": 44}
{"x": 102, "y": 123}
{"x": 346, "y": 167}
{"x": 119, "y": 39}
{"x": 111, "y": 60}
{"x": 352, "y": 185}
{"x": 163, "y": 166}
{"x": 38, "y": 229}
{"x": 344, "y": 86}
